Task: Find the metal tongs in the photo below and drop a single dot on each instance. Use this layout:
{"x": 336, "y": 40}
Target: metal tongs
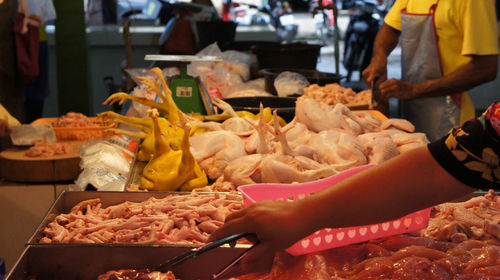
{"x": 200, "y": 250}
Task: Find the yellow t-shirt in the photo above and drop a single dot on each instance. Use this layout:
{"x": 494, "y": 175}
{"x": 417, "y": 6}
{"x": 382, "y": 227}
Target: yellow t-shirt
{"x": 4, "y": 115}
{"x": 464, "y": 27}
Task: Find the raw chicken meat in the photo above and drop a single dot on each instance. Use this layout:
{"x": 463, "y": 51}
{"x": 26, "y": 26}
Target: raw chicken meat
{"x": 42, "y": 148}
{"x": 333, "y": 94}
{"x": 319, "y": 116}
{"x": 214, "y": 150}
{"x": 379, "y": 147}
{"x": 73, "y": 119}
{"x": 174, "y": 219}
{"x": 478, "y": 218}
{"x": 134, "y": 274}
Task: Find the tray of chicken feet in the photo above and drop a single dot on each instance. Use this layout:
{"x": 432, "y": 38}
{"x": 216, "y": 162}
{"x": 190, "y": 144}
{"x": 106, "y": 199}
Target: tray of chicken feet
{"x": 108, "y": 218}
{"x": 117, "y": 262}
{"x": 462, "y": 241}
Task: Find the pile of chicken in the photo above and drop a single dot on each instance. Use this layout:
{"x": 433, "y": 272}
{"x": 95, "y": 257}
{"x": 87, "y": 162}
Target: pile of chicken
{"x": 333, "y": 94}
{"x": 188, "y": 218}
{"x": 461, "y": 242}
{"x": 73, "y": 119}
{"x": 134, "y": 274}
{"x": 43, "y": 148}
{"x": 322, "y": 140}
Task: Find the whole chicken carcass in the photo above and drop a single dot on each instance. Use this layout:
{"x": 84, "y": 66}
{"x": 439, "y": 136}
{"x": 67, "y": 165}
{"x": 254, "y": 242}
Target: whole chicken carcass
{"x": 170, "y": 169}
{"x": 146, "y": 126}
{"x": 277, "y": 168}
{"x": 214, "y": 150}
{"x": 379, "y": 146}
{"x": 319, "y": 116}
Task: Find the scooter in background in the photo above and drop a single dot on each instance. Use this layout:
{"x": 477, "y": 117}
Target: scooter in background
{"x": 277, "y": 13}
{"x": 283, "y": 21}
{"x": 364, "y": 23}
{"x": 249, "y": 14}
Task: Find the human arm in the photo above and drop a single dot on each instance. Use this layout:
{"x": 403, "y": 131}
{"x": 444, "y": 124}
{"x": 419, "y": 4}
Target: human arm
{"x": 385, "y": 41}
{"x": 481, "y": 69}
{"x": 5, "y": 128}
{"x": 6, "y": 122}
{"x": 402, "y": 185}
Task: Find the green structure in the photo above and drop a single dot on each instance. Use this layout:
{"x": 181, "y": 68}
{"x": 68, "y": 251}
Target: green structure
{"x": 71, "y": 52}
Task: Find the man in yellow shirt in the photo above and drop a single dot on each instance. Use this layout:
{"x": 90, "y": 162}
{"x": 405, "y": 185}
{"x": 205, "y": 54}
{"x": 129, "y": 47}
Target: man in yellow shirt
{"x": 448, "y": 47}
{"x": 6, "y": 122}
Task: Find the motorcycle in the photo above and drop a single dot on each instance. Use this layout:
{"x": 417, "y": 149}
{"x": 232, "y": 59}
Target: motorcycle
{"x": 282, "y": 20}
{"x": 364, "y": 23}
{"x": 249, "y": 14}
{"x": 277, "y": 13}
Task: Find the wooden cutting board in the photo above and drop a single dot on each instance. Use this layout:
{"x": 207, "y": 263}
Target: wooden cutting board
{"x": 17, "y": 167}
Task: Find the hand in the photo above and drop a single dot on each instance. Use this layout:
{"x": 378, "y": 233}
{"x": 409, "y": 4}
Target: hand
{"x": 276, "y": 224}
{"x": 376, "y": 69}
{"x": 5, "y": 129}
{"x": 397, "y": 89}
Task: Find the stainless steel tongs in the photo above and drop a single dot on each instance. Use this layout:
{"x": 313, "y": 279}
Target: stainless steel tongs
{"x": 200, "y": 250}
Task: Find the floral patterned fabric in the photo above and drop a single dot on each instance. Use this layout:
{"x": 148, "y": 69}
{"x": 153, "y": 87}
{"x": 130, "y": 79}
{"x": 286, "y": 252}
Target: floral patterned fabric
{"x": 471, "y": 152}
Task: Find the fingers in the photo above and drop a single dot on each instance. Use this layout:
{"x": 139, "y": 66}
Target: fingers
{"x": 367, "y": 76}
{"x": 233, "y": 226}
{"x": 388, "y": 89}
{"x": 374, "y": 70}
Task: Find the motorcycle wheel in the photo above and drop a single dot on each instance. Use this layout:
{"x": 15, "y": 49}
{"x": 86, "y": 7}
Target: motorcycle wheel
{"x": 351, "y": 56}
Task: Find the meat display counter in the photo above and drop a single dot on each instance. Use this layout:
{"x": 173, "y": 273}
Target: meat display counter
{"x": 87, "y": 262}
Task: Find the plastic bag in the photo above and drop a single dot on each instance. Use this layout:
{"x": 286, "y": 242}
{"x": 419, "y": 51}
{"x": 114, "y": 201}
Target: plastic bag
{"x": 289, "y": 83}
{"x": 223, "y": 77}
{"x": 238, "y": 62}
{"x": 106, "y": 163}
{"x": 100, "y": 177}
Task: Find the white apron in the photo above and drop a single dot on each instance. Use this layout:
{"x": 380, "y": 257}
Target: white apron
{"x": 434, "y": 116}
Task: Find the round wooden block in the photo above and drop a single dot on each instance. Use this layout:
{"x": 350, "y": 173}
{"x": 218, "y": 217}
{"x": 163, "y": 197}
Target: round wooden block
{"x": 17, "y": 167}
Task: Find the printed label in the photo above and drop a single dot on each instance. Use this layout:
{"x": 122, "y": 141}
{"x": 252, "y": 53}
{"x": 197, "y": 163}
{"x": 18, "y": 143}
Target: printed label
{"x": 184, "y": 92}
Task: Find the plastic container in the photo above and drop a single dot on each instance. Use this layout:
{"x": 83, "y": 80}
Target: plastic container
{"x": 284, "y": 105}
{"x": 81, "y": 132}
{"x": 295, "y": 55}
{"x": 331, "y": 237}
{"x": 313, "y": 76}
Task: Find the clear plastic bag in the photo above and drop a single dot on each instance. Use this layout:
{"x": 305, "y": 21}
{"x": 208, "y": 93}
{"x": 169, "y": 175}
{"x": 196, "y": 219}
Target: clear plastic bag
{"x": 137, "y": 109}
{"x": 288, "y": 83}
{"x": 224, "y": 76}
{"x": 106, "y": 164}
{"x": 101, "y": 177}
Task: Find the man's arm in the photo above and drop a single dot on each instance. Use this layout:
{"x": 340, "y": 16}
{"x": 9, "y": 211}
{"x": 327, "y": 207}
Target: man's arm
{"x": 5, "y": 128}
{"x": 386, "y": 40}
{"x": 481, "y": 69}
{"x": 400, "y": 186}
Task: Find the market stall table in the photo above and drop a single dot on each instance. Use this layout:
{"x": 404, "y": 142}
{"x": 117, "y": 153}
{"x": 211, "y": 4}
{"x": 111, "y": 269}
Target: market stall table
{"x": 22, "y": 207}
